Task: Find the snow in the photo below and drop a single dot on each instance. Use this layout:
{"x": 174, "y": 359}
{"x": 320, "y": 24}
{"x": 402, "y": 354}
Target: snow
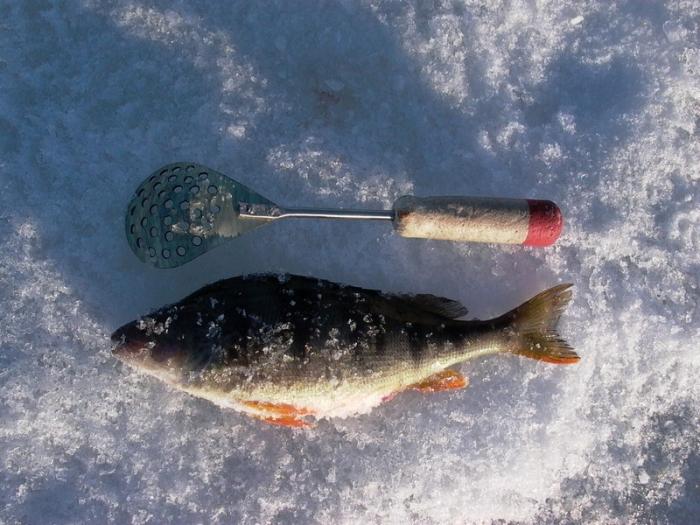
{"x": 594, "y": 105}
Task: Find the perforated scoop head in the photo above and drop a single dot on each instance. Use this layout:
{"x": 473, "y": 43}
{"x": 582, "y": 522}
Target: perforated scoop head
{"x": 183, "y": 210}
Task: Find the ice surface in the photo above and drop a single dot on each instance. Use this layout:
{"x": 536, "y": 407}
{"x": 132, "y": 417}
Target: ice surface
{"x": 595, "y": 105}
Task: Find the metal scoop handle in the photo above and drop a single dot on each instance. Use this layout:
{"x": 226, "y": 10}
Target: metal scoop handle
{"x": 275, "y": 212}
{"x": 463, "y": 219}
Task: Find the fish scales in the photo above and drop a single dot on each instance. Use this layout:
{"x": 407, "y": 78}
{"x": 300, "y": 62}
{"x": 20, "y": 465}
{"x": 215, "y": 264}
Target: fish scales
{"x": 314, "y": 347}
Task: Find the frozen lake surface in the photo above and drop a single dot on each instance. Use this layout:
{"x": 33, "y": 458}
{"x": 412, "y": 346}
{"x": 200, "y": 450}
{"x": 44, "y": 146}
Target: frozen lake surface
{"x": 595, "y": 106}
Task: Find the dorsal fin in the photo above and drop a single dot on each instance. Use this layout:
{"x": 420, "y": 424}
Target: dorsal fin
{"x": 434, "y": 304}
{"x": 236, "y": 284}
{"x": 408, "y": 307}
{"x": 428, "y": 303}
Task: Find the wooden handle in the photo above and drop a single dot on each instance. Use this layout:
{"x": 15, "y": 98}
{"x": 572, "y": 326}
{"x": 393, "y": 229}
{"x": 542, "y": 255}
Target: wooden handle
{"x": 479, "y": 219}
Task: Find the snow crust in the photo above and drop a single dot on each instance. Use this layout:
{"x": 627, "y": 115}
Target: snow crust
{"x": 594, "y": 105}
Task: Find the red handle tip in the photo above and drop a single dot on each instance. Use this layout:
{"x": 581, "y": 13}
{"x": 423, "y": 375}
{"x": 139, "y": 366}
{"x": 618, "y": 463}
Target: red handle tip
{"x": 546, "y": 223}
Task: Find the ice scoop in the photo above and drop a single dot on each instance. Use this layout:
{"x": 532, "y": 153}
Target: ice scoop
{"x": 185, "y": 209}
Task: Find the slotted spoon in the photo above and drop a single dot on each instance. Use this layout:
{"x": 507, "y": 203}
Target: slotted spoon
{"x": 185, "y": 209}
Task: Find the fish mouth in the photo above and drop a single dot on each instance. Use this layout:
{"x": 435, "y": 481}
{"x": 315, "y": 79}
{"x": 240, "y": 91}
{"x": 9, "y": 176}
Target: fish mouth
{"x": 129, "y": 343}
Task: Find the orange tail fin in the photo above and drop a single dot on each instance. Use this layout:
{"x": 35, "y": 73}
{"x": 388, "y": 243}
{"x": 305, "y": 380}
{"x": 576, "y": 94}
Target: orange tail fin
{"x": 535, "y": 322}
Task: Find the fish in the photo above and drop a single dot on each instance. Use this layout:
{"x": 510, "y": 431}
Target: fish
{"x": 290, "y": 350}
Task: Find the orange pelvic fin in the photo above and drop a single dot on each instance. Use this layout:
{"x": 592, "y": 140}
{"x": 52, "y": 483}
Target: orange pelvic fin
{"x": 285, "y": 421}
{"x": 278, "y": 409}
{"x": 281, "y": 414}
{"x": 445, "y": 380}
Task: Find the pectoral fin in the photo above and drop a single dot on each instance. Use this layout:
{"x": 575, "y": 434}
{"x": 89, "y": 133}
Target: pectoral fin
{"x": 445, "y": 380}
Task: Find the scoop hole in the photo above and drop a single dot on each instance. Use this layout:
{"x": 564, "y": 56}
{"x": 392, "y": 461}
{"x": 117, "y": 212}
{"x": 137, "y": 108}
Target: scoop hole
{"x": 133, "y": 229}
{"x": 184, "y": 205}
{"x": 196, "y": 240}
{"x": 194, "y": 190}
{"x": 157, "y": 186}
{"x": 203, "y": 176}
{"x": 180, "y": 250}
{"x": 152, "y": 252}
{"x": 168, "y": 204}
{"x": 169, "y": 236}
{"x": 133, "y": 210}
{"x": 141, "y": 192}
{"x": 188, "y": 179}
{"x": 140, "y": 242}
{"x": 177, "y": 189}
{"x": 215, "y": 208}
{"x": 162, "y": 194}
{"x": 144, "y": 222}
{"x": 162, "y": 173}
{"x": 212, "y": 189}
{"x": 154, "y": 232}
{"x": 154, "y": 209}
{"x": 176, "y": 169}
{"x": 167, "y": 220}
{"x": 165, "y": 253}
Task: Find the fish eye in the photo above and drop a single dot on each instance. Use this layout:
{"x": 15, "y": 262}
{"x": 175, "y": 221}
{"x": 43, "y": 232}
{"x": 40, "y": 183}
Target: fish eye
{"x": 163, "y": 352}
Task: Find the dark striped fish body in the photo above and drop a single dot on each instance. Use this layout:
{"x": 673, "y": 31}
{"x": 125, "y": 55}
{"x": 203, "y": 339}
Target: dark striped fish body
{"x": 283, "y": 347}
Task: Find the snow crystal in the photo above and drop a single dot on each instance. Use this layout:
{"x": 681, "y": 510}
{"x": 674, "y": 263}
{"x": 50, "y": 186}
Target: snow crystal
{"x": 353, "y": 104}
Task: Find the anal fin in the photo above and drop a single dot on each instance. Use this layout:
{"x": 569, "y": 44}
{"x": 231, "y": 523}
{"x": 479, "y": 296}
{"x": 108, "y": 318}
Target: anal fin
{"x": 444, "y": 380}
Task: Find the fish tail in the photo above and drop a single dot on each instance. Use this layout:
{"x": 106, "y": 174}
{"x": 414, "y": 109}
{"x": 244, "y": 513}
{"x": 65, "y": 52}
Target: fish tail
{"x": 535, "y": 323}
